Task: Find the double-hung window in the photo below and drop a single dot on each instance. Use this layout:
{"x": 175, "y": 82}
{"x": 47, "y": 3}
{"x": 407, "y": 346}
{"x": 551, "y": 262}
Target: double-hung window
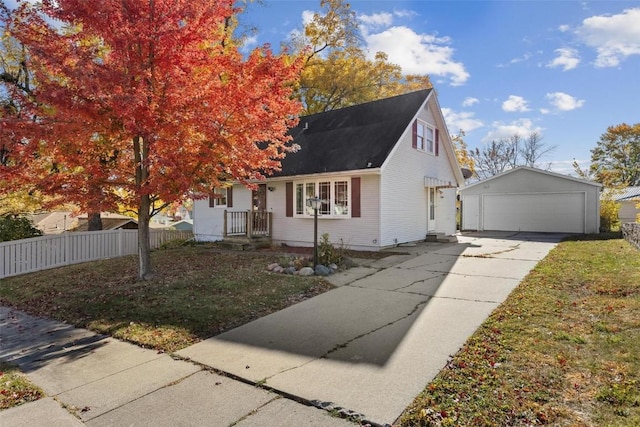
{"x": 334, "y": 196}
{"x": 425, "y": 137}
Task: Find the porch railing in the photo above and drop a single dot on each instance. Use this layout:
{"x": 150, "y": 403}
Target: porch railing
{"x": 247, "y": 223}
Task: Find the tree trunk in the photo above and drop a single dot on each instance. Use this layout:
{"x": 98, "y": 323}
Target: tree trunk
{"x": 141, "y": 155}
{"x": 95, "y": 221}
{"x": 144, "y": 247}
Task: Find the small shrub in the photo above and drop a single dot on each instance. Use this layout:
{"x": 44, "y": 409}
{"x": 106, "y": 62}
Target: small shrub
{"x": 329, "y": 254}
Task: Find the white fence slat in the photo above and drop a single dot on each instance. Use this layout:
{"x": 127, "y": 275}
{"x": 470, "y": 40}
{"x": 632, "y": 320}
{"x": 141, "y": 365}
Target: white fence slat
{"x": 45, "y": 252}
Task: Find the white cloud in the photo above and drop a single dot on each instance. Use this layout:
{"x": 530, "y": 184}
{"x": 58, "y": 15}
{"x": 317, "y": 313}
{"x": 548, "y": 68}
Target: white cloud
{"x": 403, "y": 13}
{"x": 469, "y": 101}
{"x": 463, "y": 120}
{"x": 515, "y": 104}
{"x": 376, "y": 20}
{"x": 565, "y": 167}
{"x": 563, "y": 28}
{"x": 614, "y": 37}
{"x": 568, "y": 58}
{"x": 524, "y": 58}
{"x": 307, "y": 16}
{"x": 522, "y": 127}
{"x": 248, "y": 43}
{"x": 564, "y": 102}
{"x": 418, "y": 53}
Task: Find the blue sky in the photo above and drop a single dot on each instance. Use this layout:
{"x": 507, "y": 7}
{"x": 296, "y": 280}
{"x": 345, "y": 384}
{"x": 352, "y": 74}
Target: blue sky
{"x": 566, "y": 69}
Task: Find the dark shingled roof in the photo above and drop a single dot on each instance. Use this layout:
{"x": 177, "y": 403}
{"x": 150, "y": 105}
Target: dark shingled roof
{"x": 352, "y": 138}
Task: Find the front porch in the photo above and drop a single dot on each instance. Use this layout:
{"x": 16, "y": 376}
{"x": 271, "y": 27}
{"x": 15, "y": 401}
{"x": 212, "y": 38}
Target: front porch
{"x": 247, "y": 229}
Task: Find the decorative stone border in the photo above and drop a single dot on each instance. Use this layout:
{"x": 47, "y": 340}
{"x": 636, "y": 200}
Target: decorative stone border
{"x": 631, "y": 233}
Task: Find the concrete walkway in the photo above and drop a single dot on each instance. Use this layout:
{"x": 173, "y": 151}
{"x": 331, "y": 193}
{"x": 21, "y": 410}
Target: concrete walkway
{"x": 366, "y": 348}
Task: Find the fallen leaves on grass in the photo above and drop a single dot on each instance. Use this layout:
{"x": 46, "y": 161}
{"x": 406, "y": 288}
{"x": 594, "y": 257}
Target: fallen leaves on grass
{"x": 561, "y": 350}
{"x": 15, "y": 388}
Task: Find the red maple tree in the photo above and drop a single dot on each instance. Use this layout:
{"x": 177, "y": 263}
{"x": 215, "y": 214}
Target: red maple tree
{"x": 140, "y": 101}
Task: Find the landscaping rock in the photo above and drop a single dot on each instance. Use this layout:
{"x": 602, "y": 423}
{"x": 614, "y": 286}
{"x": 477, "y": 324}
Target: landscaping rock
{"x": 306, "y": 271}
{"x": 273, "y": 266}
{"x": 333, "y": 267}
{"x": 290, "y": 270}
{"x": 322, "y": 270}
{"x": 278, "y": 269}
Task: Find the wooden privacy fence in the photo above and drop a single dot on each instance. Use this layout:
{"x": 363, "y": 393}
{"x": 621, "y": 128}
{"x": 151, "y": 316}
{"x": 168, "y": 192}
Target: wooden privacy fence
{"x": 41, "y": 253}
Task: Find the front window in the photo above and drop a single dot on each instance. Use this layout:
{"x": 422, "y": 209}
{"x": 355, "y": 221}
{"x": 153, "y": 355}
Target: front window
{"x": 334, "y": 195}
{"x": 219, "y": 197}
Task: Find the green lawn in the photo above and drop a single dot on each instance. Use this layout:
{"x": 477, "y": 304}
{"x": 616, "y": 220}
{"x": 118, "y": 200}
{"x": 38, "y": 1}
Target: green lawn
{"x": 563, "y": 349}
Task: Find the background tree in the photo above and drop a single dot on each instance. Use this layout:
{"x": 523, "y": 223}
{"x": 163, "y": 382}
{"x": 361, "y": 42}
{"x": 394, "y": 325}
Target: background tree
{"x": 508, "y": 153}
{"x": 14, "y": 227}
{"x": 151, "y": 100}
{"x": 465, "y": 160}
{"x": 336, "y": 71}
{"x": 616, "y": 158}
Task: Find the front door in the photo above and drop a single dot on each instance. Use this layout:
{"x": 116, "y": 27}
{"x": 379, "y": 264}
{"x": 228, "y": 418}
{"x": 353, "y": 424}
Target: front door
{"x": 260, "y": 223}
{"x": 431, "y": 209}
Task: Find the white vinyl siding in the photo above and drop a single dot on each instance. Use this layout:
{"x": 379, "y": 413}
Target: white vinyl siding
{"x": 404, "y": 209}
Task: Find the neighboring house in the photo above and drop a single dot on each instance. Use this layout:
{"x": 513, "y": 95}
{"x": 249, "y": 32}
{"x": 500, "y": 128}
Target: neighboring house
{"x": 386, "y": 172}
{"x": 629, "y": 199}
{"x": 182, "y": 225}
{"x": 60, "y": 221}
{"x": 53, "y": 222}
{"x": 110, "y": 221}
{"x": 528, "y": 199}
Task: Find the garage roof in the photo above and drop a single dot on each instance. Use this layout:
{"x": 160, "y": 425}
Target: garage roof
{"x": 554, "y": 174}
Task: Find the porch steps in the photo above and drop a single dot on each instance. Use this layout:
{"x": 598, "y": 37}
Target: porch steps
{"x": 242, "y": 243}
{"x": 440, "y": 238}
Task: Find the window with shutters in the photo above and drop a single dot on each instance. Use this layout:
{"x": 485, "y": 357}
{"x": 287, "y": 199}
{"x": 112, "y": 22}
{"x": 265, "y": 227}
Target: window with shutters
{"x": 425, "y": 137}
{"x": 335, "y": 195}
{"x": 218, "y": 198}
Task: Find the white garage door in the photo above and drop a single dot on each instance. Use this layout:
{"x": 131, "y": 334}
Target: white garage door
{"x": 546, "y": 212}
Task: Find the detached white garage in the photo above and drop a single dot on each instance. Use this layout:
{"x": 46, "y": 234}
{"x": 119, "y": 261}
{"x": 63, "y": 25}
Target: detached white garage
{"x": 528, "y": 199}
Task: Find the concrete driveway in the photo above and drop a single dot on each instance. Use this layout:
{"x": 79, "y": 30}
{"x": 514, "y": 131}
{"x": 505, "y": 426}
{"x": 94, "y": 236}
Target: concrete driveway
{"x": 372, "y": 344}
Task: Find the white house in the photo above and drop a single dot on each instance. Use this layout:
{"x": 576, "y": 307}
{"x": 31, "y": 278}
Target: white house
{"x": 528, "y": 199}
{"x": 386, "y": 172}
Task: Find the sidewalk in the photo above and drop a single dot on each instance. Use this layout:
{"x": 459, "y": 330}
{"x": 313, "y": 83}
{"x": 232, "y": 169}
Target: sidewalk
{"x": 98, "y": 381}
{"x": 367, "y": 348}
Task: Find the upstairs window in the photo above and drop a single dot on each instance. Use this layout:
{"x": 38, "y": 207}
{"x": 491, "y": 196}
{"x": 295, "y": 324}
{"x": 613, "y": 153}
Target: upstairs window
{"x": 424, "y": 137}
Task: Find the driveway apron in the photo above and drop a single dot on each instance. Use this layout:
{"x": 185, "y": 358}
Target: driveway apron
{"x": 372, "y": 344}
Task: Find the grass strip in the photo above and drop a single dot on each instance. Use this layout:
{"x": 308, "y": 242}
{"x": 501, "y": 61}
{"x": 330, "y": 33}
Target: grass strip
{"x": 563, "y": 349}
